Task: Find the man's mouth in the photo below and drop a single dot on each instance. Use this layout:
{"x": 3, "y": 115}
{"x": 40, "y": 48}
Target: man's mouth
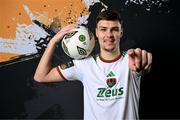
{"x": 109, "y": 41}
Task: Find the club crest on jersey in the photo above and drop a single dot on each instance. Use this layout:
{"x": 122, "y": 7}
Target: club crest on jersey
{"x": 111, "y": 82}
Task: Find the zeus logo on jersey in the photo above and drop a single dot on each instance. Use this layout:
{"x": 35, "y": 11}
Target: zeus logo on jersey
{"x": 110, "y": 93}
{"x": 107, "y": 92}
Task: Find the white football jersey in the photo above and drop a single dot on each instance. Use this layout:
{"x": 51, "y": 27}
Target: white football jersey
{"x": 111, "y": 89}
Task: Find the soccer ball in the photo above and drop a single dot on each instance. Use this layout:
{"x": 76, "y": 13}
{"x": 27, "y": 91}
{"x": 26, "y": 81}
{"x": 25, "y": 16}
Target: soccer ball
{"x": 79, "y": 44}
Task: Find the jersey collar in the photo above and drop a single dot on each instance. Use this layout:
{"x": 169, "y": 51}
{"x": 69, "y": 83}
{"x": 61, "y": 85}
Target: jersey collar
{"x": 109, "y": 61}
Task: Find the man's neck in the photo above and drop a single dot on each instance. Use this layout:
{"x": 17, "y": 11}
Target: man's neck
{"x": 106, "y": 55}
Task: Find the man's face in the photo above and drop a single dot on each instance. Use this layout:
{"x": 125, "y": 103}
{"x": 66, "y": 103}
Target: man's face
{"x": 109, "y": 33}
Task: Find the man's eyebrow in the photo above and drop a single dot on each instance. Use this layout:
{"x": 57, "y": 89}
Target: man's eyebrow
{"x": 102, "y": 27}
{"x": 115, "y": 27}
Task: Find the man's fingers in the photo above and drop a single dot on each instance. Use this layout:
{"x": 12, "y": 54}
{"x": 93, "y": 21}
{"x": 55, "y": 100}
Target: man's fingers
{"x": 131, "y": 59}
{"x": 149, "y": 61}
{"x": 131, "y": 52}
{"x": 65, "y": 30}
{"x": 135, "y": 59}
{"x": 138, "y": 59}
{"x": 70, "y": 28}
{"x": 144, "y": 58}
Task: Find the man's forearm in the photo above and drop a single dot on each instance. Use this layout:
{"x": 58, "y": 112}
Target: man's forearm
{"x": 45, "y": 63}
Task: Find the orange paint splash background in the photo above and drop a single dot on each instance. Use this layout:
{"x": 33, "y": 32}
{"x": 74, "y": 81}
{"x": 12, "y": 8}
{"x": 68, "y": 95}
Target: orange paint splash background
{"x": 13, "y": 13}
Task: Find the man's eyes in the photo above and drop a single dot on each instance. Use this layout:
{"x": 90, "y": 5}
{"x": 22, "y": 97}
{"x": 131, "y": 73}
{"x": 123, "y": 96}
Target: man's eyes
{"x": 102, "y": 29}
{"x": 113, "y": 29}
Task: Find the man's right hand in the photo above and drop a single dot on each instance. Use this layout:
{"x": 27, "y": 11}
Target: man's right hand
{"x": 65, "y": 30}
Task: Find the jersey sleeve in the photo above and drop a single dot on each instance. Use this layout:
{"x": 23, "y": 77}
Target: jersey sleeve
{"x": 137, "y": 75}
{"x": 68, "y": 71}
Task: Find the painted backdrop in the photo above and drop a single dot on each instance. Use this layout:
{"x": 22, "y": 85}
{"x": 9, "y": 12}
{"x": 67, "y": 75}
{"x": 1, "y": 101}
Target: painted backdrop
{"x": 26, "y": 27}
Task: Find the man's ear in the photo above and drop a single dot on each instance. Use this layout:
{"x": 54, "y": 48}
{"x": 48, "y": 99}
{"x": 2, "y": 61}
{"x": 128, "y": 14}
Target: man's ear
{"x": 96, "y": 32}
{"x": 121, "y": 32}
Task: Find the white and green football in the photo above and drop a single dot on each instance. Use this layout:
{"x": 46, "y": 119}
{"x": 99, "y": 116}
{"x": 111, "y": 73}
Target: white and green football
{"x": 79, "y": 44}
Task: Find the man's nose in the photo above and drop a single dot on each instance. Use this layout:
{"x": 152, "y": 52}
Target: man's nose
{"x": 109, "y": 33}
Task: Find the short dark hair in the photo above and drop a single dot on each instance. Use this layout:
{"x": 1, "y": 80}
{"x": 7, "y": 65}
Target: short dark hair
{"x": 109, "y": 15}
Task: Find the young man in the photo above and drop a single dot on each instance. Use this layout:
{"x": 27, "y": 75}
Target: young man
{"x": 111, "y": 79}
